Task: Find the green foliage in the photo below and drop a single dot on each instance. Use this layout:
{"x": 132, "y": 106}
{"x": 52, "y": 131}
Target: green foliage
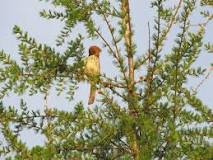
{"x": 207, "y": 2}
{"x": 151, "y": 115}
{"x": 209, "y": 47}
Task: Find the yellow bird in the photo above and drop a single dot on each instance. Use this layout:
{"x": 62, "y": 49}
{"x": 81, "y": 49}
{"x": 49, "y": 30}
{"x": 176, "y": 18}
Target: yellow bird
{"x": 92, "y": 71}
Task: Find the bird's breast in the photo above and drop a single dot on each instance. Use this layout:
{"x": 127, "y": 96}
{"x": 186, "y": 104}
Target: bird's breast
{"x": 92, "y": 66}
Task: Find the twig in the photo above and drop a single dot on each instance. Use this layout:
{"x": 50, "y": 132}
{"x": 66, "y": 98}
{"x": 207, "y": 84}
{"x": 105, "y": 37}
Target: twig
{"x": 116, "y": 54}
{"x": 149, "y": 54}
{"x": 152, "y": 70}
{"x": 111, "y": 84}
{"x": 203, "y": 81}
{"x": 46, "y": 101}
{"x": 204, "y": 23}
{"x": 105, "y": 41}
{"x": 173, "y": 18}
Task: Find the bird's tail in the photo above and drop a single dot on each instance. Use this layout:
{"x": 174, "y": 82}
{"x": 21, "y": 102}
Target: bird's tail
{"x": 92, "y": 94}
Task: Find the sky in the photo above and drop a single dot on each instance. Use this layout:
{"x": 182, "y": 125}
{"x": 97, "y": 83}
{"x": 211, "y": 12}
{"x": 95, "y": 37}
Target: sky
{"x": 25, "y": 13}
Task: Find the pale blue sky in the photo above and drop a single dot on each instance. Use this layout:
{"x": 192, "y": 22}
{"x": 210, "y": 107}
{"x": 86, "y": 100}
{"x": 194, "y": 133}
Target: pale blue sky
{"x": 25, "y": 13}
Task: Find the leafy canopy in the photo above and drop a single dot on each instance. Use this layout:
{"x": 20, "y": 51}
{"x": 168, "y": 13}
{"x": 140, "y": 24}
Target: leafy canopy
{"x": 140, "y": 115}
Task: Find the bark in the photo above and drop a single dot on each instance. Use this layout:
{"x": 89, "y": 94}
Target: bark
{"x": 129, "y": 48}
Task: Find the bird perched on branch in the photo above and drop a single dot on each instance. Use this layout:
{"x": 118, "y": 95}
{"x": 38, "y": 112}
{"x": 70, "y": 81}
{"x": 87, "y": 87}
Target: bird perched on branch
{"x": 92, "y": 71}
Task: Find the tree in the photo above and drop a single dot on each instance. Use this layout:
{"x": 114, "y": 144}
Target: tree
{"x": 151, "y": 115}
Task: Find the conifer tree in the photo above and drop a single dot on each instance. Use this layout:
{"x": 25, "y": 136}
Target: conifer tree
{"x": 139, "y": 115}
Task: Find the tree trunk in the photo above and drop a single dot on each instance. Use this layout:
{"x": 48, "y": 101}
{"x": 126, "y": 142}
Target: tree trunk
{"x": 131, "y": 104}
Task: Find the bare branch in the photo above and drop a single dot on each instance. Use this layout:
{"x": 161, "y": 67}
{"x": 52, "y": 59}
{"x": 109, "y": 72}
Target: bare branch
{"x": 105, "y": 41}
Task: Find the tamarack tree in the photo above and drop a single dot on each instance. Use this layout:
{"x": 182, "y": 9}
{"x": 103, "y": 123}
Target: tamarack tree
{"x": 139, "y": 115}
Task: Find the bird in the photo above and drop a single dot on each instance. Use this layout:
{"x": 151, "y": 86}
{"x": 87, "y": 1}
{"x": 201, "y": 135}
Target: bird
{"x": 92, "y": 71}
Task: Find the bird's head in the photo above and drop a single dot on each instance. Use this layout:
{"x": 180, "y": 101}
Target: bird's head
{"x": 94, "y": 50}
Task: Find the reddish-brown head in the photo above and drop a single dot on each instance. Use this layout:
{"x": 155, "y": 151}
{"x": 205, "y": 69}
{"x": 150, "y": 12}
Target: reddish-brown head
{"x": 94, "y": 50}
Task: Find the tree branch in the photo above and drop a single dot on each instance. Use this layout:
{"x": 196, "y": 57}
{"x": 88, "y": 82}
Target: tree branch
{"x": 116, "y": 53}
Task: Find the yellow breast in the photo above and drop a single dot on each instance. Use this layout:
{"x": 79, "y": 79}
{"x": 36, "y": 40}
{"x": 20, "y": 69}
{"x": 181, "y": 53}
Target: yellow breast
{"x": 92, "y": 66}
